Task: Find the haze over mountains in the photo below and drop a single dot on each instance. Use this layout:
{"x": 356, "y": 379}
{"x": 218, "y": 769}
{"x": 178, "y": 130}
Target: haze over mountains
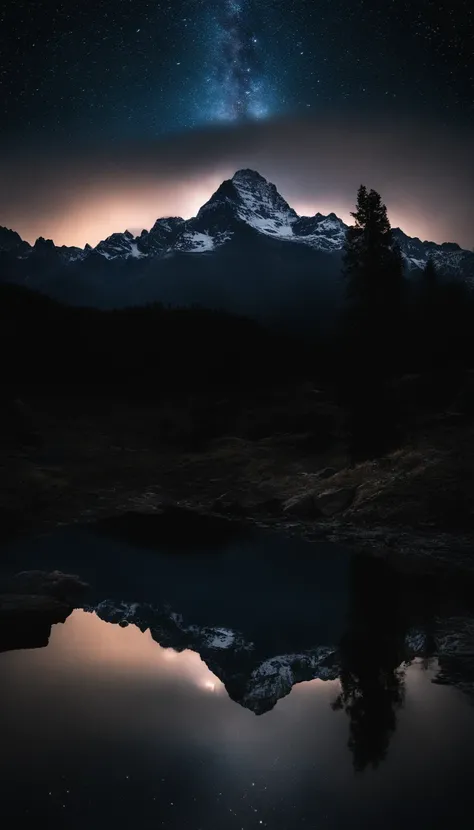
{"x": 246, "y": 250}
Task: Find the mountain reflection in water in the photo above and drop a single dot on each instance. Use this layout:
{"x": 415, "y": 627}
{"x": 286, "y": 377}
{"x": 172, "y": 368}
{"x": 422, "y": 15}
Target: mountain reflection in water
{"x": 141, "y": 709}
{"x": 111, "y": 705}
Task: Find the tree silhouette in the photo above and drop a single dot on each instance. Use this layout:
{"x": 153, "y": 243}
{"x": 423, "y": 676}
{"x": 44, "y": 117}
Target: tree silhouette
{"x": 442, "y": 325}
{"x": 430, "y": 277}
{"x": 373, "y": 271}
{"x": 428, "y": 320}
{"x": 372, "y": 651}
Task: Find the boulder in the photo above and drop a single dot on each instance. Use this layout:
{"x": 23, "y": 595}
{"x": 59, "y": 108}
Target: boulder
{"x": 303, "y": 507}
{"x": 326, "y": 472}
{"x": 335, "y": 501}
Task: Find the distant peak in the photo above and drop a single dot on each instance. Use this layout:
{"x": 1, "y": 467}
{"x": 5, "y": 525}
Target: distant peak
{"x": 246, "y": 174}
{"x": 9, "y": 240}
{"x": 41, "y": 242}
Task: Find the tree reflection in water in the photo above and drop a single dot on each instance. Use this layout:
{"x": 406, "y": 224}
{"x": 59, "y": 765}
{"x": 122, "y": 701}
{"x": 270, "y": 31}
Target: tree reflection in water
{"x": 372, "y": 652}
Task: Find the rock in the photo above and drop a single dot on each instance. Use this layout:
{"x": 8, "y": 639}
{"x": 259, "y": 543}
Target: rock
{"x": 274, "y": 678}
{"x": 228, "y": 508}
{"x": 269, "y": 507}
{"x": 26, "y": 620}
{"x": 34, "y": 601}
{"x": 335, "y": 501}
{"x": 326, "y": 472}
{"x": 303, "y": 507}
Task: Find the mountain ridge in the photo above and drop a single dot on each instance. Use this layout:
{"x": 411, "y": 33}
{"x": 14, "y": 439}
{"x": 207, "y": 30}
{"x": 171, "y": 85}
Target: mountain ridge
{"x": 253, "y": 196}
{"x": 244, "y": 243}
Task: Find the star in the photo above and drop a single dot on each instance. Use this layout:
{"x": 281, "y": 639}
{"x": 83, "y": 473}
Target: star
{"x": 238, "y": 85}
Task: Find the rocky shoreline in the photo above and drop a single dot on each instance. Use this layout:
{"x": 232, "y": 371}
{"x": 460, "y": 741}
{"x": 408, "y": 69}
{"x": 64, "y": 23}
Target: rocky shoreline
{"x": 32, "y": 602}
{"x": 74, "y": 464}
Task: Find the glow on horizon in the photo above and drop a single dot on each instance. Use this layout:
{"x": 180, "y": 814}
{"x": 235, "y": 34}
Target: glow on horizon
{"x": 93, "y": 216}
{"x": 87, "y": 640}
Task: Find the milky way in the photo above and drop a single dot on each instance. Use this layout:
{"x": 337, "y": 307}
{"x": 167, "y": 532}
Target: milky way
{"x": 238, "y": 89}
{"x": 142, "y": 107}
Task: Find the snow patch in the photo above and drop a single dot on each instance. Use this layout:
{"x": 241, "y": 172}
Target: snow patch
{"x": 415, "y": 642}
{"x": 220, "y": 638}
{"x": 272, "y": 226}
{"x": 196, "y": 242}
{"x": 416, "y": 263}
{"x": 262, "y": 207}
{"x": 321, "y": 242}
{"x": 329, "y": 224}
{"x": 134, "y": 252}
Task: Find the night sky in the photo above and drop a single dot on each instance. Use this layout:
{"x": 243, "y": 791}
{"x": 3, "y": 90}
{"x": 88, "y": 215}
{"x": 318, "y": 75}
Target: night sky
{"x": 114, "y": 113}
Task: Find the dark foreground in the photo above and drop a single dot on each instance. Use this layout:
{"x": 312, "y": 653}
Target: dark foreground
{"x": 280, "y": 457}
{"x": 106, "y": 412}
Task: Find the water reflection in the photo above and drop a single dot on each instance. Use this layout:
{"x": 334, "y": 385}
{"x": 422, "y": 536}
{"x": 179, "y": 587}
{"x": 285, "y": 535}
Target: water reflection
{"x": 119, "y": 728}
{"x": 146, "y": 707}
{"x": 175, "y": 528}
{"x": 371, "y": 653}
{"x": 89, "y": 645}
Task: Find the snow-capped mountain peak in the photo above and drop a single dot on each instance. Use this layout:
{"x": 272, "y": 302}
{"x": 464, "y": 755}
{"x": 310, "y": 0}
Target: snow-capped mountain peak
{"x": 261, "y": 206}
{"x": 246, "y": 201}
{"x": 448, "y": 257}
{"x": 116, "y": 245}
{"x": 242, "y": 216}
{"x": 10, "y": 240}
{"x": 325, "y": 233}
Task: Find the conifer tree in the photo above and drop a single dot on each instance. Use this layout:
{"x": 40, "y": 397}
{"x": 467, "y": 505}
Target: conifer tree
{"x": 373, "y": 265}
{"x": 430, "y": 276}
{"x": 373, "y": 270}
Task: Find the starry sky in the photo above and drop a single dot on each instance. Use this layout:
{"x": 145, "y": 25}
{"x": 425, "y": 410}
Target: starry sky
{"x": 114, "y": 113}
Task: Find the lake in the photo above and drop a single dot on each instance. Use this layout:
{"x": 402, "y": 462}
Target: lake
{"x": 215, "y": 677}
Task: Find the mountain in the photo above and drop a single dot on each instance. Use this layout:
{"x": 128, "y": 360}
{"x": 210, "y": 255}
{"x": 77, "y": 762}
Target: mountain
{"x": 256, "y": 674}
{"x": 449, "y": 258}
{"x": 246, "y": 250}
{"x": 264, "y": 611}
{"x": 253, "y": 677}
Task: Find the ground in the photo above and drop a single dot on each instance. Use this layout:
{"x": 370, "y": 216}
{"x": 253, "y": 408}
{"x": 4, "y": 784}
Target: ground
{"x": 280, "y": 458}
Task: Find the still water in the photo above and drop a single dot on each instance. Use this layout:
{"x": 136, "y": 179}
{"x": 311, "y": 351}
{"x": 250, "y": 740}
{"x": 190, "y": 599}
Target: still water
{"x": 211, "y": 728}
